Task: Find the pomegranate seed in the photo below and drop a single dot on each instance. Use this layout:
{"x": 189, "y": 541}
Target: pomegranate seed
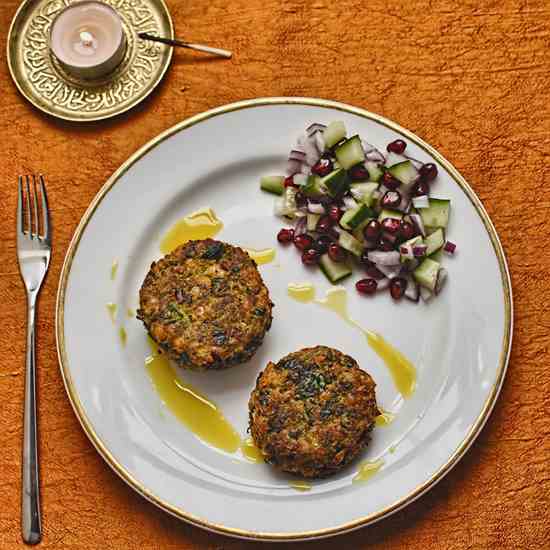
{"x": 385, "y": 245}
{"x": 322, "y": 243}
{"x": 335, "y": 213}
{"x": 371, "y": 245}
{"x": 390, "y": 182}
{"x": 324, "y": 224}
{"x": 366, "y": 286}
{"x": 289, "y": 182}
{"x": 374, "y": 273}
{"x": 406, "y": 230}
{"x": 421, "y": 188}
{"x": 389, "y": 237}
{"x": 310, "y": 257}
{"x": 303, "y": 242}
{"x": 398, "y": 287}
{"x": 391, "y": 225}
{"x": 391, "y": 199}
{"x": 358, "y": 173}
{"x": 372, "y": 230}
{"x": 397, "y": 146}
{"x": 336, "y": 253}
{"x": 428, "y": 172}
{"x": 322, "y": 167}
{"x": 285, "y": 236}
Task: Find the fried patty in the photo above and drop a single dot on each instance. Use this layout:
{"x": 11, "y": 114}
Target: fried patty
{"x": 312, "y": 412}
{"x": 205, "y": 305}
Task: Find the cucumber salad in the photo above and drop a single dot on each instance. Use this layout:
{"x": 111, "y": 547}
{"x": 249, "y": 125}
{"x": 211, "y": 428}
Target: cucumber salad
{"x": 354, "y": 206}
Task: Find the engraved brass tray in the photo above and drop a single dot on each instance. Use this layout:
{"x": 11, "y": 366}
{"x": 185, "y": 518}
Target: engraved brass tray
{"x": 41, "y": 79}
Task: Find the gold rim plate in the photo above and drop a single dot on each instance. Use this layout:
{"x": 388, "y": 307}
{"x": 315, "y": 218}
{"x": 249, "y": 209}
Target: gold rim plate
{"x": 458, "y": 453}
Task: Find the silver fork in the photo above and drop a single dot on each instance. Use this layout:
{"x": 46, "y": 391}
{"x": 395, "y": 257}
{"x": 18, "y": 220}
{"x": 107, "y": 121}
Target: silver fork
{"x": 33, "y": 252}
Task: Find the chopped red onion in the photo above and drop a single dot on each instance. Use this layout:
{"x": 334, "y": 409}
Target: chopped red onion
{"x": 315, "y": 207}
{"x": 412, "y": 292}
{"x": 320, "y": 141}
{"x": 405, "y": 203}
{"x": 380, "y": 257}
{"x": 367, "y": 147}
{"x": 315, "y": 127}
{"x": 389, "y": 271}
{"x": 421, "y": 201}
{"x": 300, "y": 156}
{"x": 406, "y": 251}
{"x": 416, "y": 220}
{"x": 349, "y": 203}
{"x": 293, "y": 167}
{"x": 449, "y": 247}
{"x": 304, "y": 169}
{"x": 419, "y": 250}
{"x": 312, "y": 154}
{"x": 426, "y": 294}
{"x": 301, "y": 226}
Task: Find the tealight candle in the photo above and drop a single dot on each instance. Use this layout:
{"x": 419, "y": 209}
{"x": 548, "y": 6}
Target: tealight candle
{"x": 87, "y": 39}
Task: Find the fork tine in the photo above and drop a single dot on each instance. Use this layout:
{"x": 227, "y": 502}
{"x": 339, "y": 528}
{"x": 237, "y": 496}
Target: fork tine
{"x": 29, "y": 211}
{"x": 45, "y": 212}
{"x": 20, "y": 214}
{"x": 36, "y": 212}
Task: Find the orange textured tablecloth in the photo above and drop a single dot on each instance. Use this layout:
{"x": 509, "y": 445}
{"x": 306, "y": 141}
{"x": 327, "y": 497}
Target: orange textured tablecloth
{"x": 470, "y": 77}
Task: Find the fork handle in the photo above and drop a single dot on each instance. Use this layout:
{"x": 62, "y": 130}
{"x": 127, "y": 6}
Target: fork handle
{"x": 30, "y": 495}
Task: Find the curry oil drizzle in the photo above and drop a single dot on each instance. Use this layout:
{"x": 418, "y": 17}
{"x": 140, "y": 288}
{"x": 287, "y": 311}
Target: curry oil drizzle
{"x": 300, "y": 485}
{"x": 261, "y": 256}
{"x": 251, "y": 452}
{"x": 367, "y": 469}
{"x": 198, "y": 413}
{"x": 202, "y": 224}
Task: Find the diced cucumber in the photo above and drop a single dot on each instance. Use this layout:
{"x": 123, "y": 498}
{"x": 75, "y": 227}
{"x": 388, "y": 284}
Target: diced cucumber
{"x": 426, "y": 273}
{"x": 350, "y": 243}
{"x": 390, "y": 214}
{"x": 312, "y": 220}
{"x": 273, "y": 184}
{"x": 314, "y": 187}
{"x": 336, "y": 182}
{"x": 355, "y": 216}
{"x": 350, "y": 152}
{"x": 437, "y": 214}
{"x": 405, "y": 172}
{"x": 435, "y": 241}
{"x": 363, "y": 191}
{"x": 375, "y": 172}
{"x": 437, "y": 256}
{"x": 333, "y": 133}
{"x": 334, "y": 271}
{"x": 415, "y": 241}
{"x": 358, "y": 231}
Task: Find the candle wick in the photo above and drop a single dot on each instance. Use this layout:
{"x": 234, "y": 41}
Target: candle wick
{"x": 86, "y": 39}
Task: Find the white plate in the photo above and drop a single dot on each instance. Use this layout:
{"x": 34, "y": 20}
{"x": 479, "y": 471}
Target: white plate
{"x": 459, "y": 342}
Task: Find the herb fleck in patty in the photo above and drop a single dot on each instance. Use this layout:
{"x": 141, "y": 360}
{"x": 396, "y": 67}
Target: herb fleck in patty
{"x": 206, "y": 305}
{"x": 312, "y": 412}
